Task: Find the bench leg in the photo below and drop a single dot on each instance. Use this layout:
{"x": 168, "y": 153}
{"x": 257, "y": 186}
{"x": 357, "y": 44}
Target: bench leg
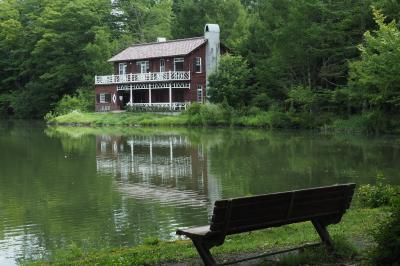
{"x": 323, "y": 233}
{"x": 204, "y": 252}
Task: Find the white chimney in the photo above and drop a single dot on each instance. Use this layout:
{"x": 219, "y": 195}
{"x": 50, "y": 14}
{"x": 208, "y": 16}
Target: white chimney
{"x": 211, "y": 33}
{"x": 161, "y": 39}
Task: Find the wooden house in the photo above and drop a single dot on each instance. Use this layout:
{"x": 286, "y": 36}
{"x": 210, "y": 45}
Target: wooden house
{"x": 163, "y": 74}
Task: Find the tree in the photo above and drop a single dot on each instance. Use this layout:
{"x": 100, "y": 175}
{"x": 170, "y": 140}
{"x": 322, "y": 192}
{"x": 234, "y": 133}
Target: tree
{"x": 231, "y": 16}
{"x": 50, "y": 50}
{"x": 230, "y": 82}
{"x": 303, "y": 43}
{"x": 376, "y": 76}
{"x": 143, "y": 20}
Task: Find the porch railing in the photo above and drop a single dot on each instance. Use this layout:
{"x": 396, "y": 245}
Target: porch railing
{"x": 142, "y": 77}
{"x": 174, "y": 106}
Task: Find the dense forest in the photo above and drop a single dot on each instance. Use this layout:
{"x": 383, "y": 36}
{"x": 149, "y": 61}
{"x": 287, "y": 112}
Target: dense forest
{"x": 315, "y": 62}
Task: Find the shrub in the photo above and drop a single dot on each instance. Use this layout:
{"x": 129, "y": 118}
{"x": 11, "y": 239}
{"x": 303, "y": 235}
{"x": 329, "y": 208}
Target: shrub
{"x": 82, "y": 101}
{"x": 380, "y": 194}
{"x": 208, "y": 114}
{"x": 367, "y": 122}
{"x": 387, "y": 238}
{"x": 212, "y": 114}
{"x": 193, "y": 109}
{"x": 279, "y": 119}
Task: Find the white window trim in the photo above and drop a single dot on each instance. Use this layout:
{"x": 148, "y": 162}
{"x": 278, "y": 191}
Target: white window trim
{"x": 199, "y": 89}
{"x": 199, "y": 58}
{"x": 162, "y": 66}
{"x": 178, "y": 60}
{"x": 122, "y": 67}
{"x": 103, "y": 98}
{"x": 146, "y": 64}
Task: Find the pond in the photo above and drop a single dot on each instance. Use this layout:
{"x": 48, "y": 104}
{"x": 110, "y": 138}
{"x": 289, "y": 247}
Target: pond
{"x": 111, "y": 187}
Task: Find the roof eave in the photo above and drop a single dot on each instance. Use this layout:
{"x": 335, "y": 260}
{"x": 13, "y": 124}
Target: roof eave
{"x": 145, "y": 58}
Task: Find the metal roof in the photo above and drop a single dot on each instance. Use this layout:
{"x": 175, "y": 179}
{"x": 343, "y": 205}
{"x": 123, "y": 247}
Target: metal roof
{"x": 159, "y": 49}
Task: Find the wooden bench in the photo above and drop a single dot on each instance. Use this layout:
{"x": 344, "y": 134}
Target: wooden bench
{"x": 322, "y": 206}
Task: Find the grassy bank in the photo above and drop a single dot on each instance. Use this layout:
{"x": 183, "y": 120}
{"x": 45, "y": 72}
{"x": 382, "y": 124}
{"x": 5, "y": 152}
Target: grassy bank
{"x": 220, "y": 115}
{"x": 356, "y": 226}
{"x": 118, "y": 119}
{"x": 207, "y": 115}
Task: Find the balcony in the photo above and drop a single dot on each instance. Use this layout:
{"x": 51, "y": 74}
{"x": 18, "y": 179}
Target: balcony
{"x": 143, "y": 77}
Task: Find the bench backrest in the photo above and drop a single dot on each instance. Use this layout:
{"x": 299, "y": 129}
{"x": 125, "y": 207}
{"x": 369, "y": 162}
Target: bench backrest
{"x": 327, "y": 204}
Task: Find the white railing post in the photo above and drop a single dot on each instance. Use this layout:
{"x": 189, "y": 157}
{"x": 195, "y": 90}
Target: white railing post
{"x": 170, "y": 96}
{"x": 131, "y": 96}
{"x": 149, "y": 96}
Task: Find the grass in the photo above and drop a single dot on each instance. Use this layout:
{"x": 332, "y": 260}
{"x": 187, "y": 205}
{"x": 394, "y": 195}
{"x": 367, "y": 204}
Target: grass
{"x": 206, "y": 115}
{"x": 118, "y": 119}
{"x": 356, "y": 226}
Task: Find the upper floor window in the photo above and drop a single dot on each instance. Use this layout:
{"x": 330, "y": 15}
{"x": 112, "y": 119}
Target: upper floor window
{"x": 122, "y": 67}
{"x": 197, "y": 64}
{"x": 162, "y": 65}
{"x": 178, "y": 64}
{"x": 144, "y": 66}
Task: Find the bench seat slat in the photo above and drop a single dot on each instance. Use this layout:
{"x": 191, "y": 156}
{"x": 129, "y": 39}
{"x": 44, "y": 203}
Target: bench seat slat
{"x": 240, "y": 228}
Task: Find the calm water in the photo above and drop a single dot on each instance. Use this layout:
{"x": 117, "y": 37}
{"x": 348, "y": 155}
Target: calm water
{"x": 115, "y": 187}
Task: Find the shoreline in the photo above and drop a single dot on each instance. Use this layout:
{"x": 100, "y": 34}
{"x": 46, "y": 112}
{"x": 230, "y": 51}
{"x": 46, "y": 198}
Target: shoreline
{"x": 264, "y": 120}
{"x": 352, "y": 233}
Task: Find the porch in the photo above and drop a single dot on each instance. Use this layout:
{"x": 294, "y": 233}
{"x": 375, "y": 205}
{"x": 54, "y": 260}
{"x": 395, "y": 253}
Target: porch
{"x": 167, "y": 97}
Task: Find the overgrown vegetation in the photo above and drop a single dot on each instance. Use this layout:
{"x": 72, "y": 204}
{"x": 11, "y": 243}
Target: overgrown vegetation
{"x": 387, "y": 237}
{"x": 308, "y": 63}
{"x": 197, "y": 115}
{"x": 379, "y": 194}
{"x": 387, "y": 233}
{"x": 314, "y": 95}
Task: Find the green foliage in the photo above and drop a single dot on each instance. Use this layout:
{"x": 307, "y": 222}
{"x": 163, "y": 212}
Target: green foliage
{"x": 290, "y": 54}
{"x": 144, "y": 20}
{"x": 231, "y": 82}
{"x": 380, "y": 194}
{"x": 301, "y": 97}
{"x": 376, "y": 76}
{"x": 208, "y": 114}
{"x": 231, "y": 15}
{"x": 52, "y": 48}
{"x": 387, "y": 238}
{"x": 151, "y": 241}
{"x": 367, "y": 122}
{"x": 82, "y": 101}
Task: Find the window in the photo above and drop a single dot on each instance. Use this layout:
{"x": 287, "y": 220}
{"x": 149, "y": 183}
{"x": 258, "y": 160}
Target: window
{"x": 105, "y": 97}
{"x": 178, "y": 64}
{"x": 197, "y": 65}
{"x": 162, "y": 65}
{"x": 144, "y": 66}
{"x": 199, "y": 93}
{"x": 122, "y": 67}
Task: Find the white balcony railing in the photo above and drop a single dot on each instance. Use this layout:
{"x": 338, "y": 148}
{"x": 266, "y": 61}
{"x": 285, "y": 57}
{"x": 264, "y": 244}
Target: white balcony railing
{"x": 142, "y": 77}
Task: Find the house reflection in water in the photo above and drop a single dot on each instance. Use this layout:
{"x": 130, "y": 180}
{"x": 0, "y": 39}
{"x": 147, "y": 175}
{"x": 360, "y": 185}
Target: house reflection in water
{"x": 166, "y": 168}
